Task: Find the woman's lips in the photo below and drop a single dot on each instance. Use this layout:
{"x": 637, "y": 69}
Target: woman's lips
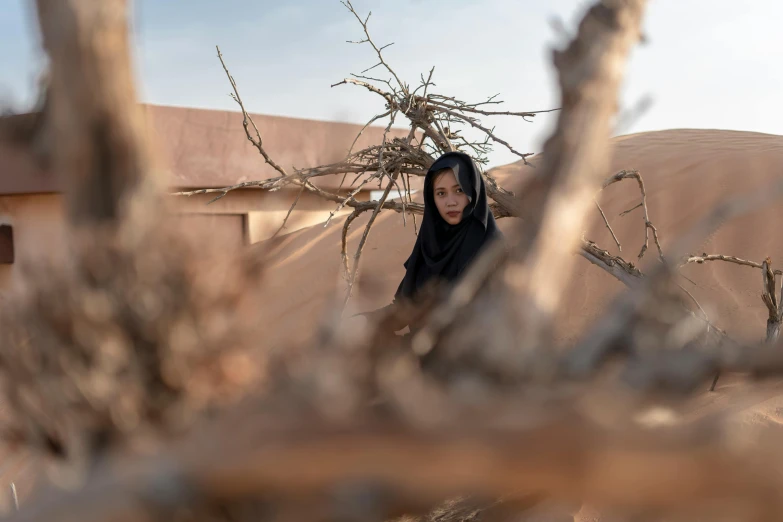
{"x": 453, "y": 213}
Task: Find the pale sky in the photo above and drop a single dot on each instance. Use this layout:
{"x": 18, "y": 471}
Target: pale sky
{"x": 706, "y": 64}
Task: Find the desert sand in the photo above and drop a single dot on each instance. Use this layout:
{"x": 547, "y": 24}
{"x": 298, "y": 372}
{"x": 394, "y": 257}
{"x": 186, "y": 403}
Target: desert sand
{"x": 686, "y": 172}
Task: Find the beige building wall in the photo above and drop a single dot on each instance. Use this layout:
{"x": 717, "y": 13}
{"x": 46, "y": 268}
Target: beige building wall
{"x": 38, "y": 231}
{"x": 239, "y": 218}
{"x": 199, "y": 148}
{"x": 265, "y": 211}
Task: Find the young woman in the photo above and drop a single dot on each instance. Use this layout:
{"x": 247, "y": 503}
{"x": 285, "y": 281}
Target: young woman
{"x": 457, "y": 224}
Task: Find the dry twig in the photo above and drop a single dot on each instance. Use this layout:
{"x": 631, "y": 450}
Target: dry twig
{"x": 634, "y": 174}
{"x": 609, "y": 227}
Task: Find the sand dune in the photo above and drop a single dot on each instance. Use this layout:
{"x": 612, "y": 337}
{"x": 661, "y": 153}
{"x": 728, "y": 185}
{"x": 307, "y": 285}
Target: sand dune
{"x": 686, "y": 172}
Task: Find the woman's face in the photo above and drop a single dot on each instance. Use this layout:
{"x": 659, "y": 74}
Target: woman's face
{"x": 449, "y": 198}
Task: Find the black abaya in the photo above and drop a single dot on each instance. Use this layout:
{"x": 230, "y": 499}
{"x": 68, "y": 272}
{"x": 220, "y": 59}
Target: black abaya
{"x": 443, "y": 251}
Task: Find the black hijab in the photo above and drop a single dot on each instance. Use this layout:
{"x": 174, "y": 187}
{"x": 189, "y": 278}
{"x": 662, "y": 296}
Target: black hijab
{"x": 443, "y": 251}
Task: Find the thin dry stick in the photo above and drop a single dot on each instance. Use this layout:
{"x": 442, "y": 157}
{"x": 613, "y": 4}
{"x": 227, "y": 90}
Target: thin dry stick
{"x": 407, "y": 180}
{"x": 372, "y": 88}
{"x": 443, "y": 137}
{"x": 344, "y": 243}
{"x": 621, "y": 269}
{"x": 471, "y": 108}
{"x": 628, "y": 174}
{"x": 425, "y": 84}
{"x": 348, "y": 198}
{"x": 275, "y": 184}
{"x": 696, "y": 302}
{"x": 406, "y": 187}
{"x": 363, "y": 240}
{"x": 704, "y": 258}
{"x": 368, "y": 39}
{"x": 373, "y": 120}
{"x": 290, "y": 210}
{"x": 248, "y": 120}
{"x": 608, "y": 226}
{"x": 491, "y": 135}
{"x": 402, "y": 200}
{"x": 265, "y": 184}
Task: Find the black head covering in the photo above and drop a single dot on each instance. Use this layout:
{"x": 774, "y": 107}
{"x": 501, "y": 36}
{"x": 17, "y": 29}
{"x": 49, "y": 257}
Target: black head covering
{"x": 443, "y": 251}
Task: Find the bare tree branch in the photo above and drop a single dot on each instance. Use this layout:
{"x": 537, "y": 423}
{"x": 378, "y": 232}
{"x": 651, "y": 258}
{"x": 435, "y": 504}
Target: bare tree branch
{"x": 628, "y": 174}
{"x": 344, "y": 242}
{"x": 290, "y": 210}
{"x": 704, "y": 258}
{"x": 474, "y": 123}
{"x": 463, "y": 107}
{"x": 247, "y": 120}
{"x": 368, "y": 39}
{"x": 609, "y": 227}
{"x": 363, "y": 240}
{"x": 624, "y": 271}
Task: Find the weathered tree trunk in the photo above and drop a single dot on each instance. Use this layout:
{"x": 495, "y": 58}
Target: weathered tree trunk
{"x": 575, "y": 161}
{"x": 97, "y": 131}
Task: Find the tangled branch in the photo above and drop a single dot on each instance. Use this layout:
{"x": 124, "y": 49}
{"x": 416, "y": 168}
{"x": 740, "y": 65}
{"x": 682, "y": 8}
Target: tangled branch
{"x": 434, "y": 128}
